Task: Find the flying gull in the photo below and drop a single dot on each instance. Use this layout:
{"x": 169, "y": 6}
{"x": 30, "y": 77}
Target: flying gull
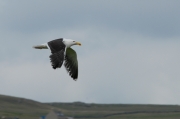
{"x": 62, "y": 52}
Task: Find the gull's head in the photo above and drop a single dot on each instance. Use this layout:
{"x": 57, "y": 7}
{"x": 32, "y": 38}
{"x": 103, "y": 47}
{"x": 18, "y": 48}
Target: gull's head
{"x": 69, "y": 42}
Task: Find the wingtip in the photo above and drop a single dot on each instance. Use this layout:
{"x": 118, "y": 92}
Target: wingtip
{"x": 75, "y": 79}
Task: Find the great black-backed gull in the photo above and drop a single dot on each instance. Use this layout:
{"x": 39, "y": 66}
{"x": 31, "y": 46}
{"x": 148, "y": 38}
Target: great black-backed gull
{"x": 62, "y": 52}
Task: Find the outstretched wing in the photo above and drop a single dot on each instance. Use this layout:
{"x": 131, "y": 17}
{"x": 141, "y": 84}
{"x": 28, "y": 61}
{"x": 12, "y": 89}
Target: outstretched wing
{"x": 71, "y": 63}
{"x": 57, "y": 59}
{"x": 57, "y": 48}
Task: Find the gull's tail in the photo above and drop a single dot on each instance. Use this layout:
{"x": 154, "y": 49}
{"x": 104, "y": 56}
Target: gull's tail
{"x": 43, "y": 46}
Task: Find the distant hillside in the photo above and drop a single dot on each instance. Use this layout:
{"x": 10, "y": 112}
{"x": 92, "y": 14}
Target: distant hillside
{"x": 22, "y": 108}
{"x": 81, "y": 110}
{"x": 29, "y": 109}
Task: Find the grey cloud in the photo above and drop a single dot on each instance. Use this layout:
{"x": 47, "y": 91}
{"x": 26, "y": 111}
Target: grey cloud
{"x": 158, "y": 18}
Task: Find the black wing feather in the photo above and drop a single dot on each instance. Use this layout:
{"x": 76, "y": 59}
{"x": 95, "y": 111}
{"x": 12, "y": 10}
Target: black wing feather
{"x": 71, "y": 63}
{"x": 57, "y": 48}
{"x": 57, "y": 59}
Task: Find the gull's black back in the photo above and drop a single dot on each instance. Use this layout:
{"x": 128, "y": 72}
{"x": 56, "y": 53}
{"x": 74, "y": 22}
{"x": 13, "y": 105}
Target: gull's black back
{"x": 56, "y": 45}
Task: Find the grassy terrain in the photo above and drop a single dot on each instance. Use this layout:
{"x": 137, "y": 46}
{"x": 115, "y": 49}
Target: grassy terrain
{"x": 119, "y": 111}
{"x": 29, "y": 109}
{"x": 22, "y": 108}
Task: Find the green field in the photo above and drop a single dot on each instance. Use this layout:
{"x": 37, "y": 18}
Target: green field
{"x": 29, "y": 109}
{"x": 22, "y": 108}
{"x": 119, "y": 111}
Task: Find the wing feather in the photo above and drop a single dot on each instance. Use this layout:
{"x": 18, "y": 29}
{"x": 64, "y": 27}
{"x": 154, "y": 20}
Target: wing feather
{"x": 57, "y": 59}
{"x": 57, "y": 48}
{"x": 71, "y": 63}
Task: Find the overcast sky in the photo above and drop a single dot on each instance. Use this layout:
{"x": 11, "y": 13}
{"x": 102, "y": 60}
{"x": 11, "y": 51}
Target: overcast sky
{"x": 130, "y": 50}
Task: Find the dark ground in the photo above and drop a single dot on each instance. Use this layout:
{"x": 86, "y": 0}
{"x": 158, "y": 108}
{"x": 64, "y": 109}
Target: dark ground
{"x": 29, "y": 109}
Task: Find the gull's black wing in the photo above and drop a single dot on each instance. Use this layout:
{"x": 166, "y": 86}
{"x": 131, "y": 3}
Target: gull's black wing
{"x": 57, "y": 48}
{"x": 71, "y": 63}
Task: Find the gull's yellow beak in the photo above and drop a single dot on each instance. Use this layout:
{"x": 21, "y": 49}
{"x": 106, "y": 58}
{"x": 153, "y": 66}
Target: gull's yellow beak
{"x": 78, "y": 43}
